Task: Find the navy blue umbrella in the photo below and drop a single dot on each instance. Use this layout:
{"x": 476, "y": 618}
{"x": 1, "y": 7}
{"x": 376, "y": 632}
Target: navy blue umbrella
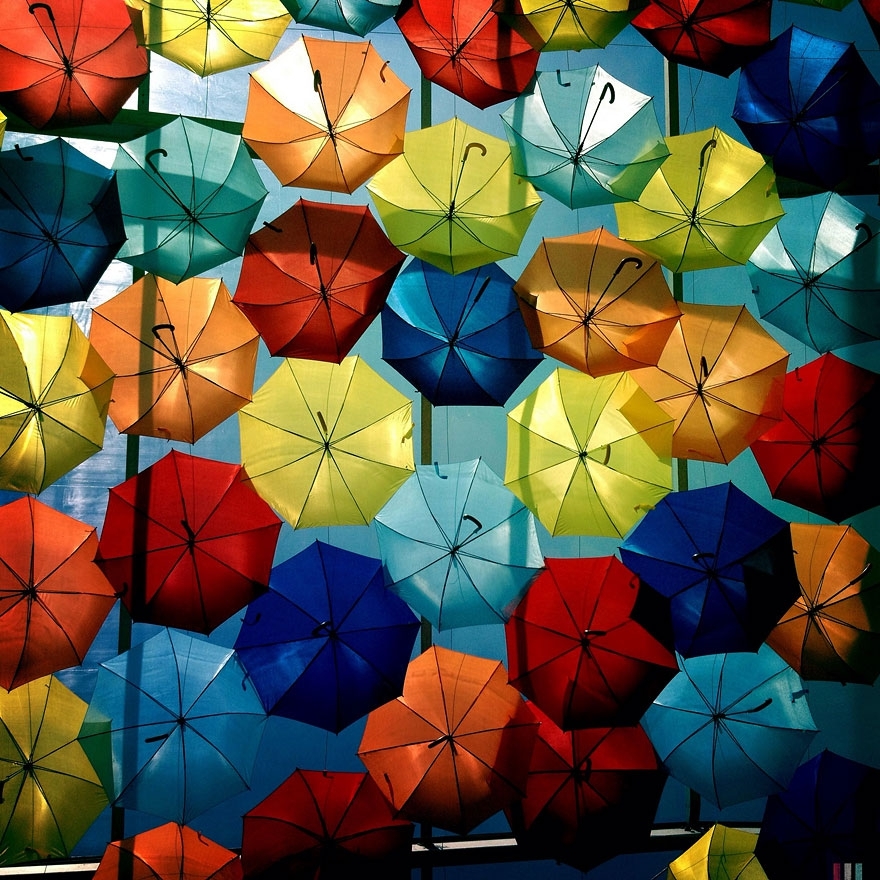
{"x": 828, "y": 814}
{"x": 60, "y": 225}
{"x": 724, "y": 562}
{"x": 459, "y": 339}
{"x": 811, "y": 104}
{"x": 327, "y": 643}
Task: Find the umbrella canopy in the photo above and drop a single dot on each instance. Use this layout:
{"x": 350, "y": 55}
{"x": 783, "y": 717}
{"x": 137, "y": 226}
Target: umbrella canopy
{"x": 453, "y": 199}
{"x": 464, "y": 46}
{"x": 187, "y": 542}
{"x": 190, "y": 195}
{"x": 720, "y": 377}
{"x": 328, "y": 643}
{"x": 53, "y": 598}
{"x": 314, "y": 279}
{"x": 724, "y": 562}
{"x": 183, "y": 354}
{"x": 457, "y": 545}
{"x": 325, "y": 114}
{"x": 580, "y": 645}
{"x": 68, "y": 62}
{"x": 184, "y": 726}
{"x": 588, "y": 455}
{"x": 871, "y": 8}
{"x": 820, "y": 456}
{"x": 54, "y": 395}
{"x": 327, "y": 444}
{"x": 207, "y": 37}
{"x": 51, "y": 792}
{"x": 812, "y": 105}
{"x": 454, "y": 749}
{"x": 596, "y": 303}
{"x": 710, "y": 204}
{"x": 832, "y": 631}
{"x": 459, "y": 339}
{"x": 347, "y": 16}
{"x": 828, "y": 814}
{"x": 590, "y": 794}
{"x": 323, "y": 824}
{"x": 721, "y": 853}
{"x": 733, "y": 727}
{"x": 713, "y": 35}
{"x": 60, "y": 225}
{"x": 168, "y": 852}
{"x": 815, "y": 274}
{"x": 559, "y": 25}
{"x": 584, "y": 137}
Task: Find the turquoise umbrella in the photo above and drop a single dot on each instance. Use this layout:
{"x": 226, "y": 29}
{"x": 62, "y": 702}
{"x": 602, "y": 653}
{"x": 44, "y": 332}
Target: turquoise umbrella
{"x": 732, "y": 727}
{"x": 348, "y": 16}
{"x": 190, "y": 195}
{"x": 584, "y": 137}
{"x": 457, "y": 545}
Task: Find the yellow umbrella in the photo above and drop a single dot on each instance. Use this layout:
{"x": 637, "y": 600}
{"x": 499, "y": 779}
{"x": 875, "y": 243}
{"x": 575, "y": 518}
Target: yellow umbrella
{"x": 326, "y": 115}
{"x": 51, "y": 792}
{"x": 2, "y": 126}
{"x": 721, "y": 853}
{"x": 327, "y": 444}
{"x": 720, "y": 377}
{"x": 589, "y": 456}
{"x": 207, "y": 37}
{"x": 54, "y": 394}
{"x": 452, "y": 199}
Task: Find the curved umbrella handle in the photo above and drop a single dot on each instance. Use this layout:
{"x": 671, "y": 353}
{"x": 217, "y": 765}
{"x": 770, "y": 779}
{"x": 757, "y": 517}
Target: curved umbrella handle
{"x": 474, "y": 520}
{"x": 709, "y": 145}
{"x": 469, "y": 147}
{"x": 45, "y": 6}
{"x": 149, "y": 158}
{"x": 634, "y": 260}
{"x": 382, "y": 71}
{"x": 272, "y": 226}
{"x": 321, "y": 421}
{"x": 437, "y": 469}
{"x": 22, "y": 155}
{"x": 861, "y": 574}
{"x": 608, "y": 87}
{"x": 559, "y": 79}
{"x": 860, "y": 227}
{"x": 316, "y": 81}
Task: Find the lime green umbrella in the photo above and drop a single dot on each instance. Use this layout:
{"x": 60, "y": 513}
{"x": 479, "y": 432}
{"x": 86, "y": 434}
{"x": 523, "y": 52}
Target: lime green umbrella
{"x": 721, "y": 853}
{"x": 589, "y": 456}
{"x": 452, "y": 198}
{"x": 327, "y": 444}
{"x": 710, "y": 204}
{"x": 50, "y": 792}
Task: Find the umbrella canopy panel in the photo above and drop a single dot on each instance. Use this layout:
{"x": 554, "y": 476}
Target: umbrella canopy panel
{"x": 357, "y": 17}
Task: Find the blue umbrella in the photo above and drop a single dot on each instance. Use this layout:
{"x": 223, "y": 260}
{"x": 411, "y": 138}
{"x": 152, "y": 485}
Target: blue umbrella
{"x": 184, "y": 725}
{"x": 458, "y": 545}
{"x": 348, "y": 16}
{"x": 460, "y": 339}
{"x": 60, "y": 225}
{"x": 724, "y": 562}
{"x": 828, "y": 814}
{"x": 811, "y": 104}
{"x": 732, "y": 727}
{"x": 328, "y": 643}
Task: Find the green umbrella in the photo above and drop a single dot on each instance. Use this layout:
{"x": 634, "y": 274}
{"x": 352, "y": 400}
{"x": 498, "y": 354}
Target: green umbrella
{"x": 190, "y": 195}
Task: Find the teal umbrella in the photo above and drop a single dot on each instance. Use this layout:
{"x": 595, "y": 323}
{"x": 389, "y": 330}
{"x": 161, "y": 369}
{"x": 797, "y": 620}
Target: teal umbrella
{"x": 348, "y": 16}
{"x": 457, "y": 545}
{"x": 732, "y": 727}
{"x": 190, "y": 195}
{"x": 584, "y": 137}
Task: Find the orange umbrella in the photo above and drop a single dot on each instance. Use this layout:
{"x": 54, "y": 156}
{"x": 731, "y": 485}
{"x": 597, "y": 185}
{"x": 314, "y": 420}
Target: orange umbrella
{"x": 596, "y": 303}
{"x": 53, "y": 597}
{"x": 326, "y": 115}
{"x": 184, "y": 356}
{"x": 454, "y": 748}
{"x": 721, "y": 377}
{"x": 832, "y": 632}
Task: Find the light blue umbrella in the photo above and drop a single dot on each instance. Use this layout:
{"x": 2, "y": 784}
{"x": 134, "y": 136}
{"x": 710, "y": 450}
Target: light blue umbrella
{"x": 457, "y": 545}
{"x": 185, "y": 724}
{"x": 732, "y": 727}
{"x": 584, "y": 137}
{"x": 348, "y": 16}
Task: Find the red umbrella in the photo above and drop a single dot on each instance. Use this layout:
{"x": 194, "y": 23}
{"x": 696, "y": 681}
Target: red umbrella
{"x": 323, "y": 824}
{"x": 68, "y": 62}
{"x": 578, "y": 646}
{"x": 822, "y": 456}
{"x": 314, "y": 278}
{"x": 714, "y": 35}
{"x": 589, "y": 793}
{"x": 53, "y": 598}
{"x": 187, "y": 542}
{"x": 466, "y": 47}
